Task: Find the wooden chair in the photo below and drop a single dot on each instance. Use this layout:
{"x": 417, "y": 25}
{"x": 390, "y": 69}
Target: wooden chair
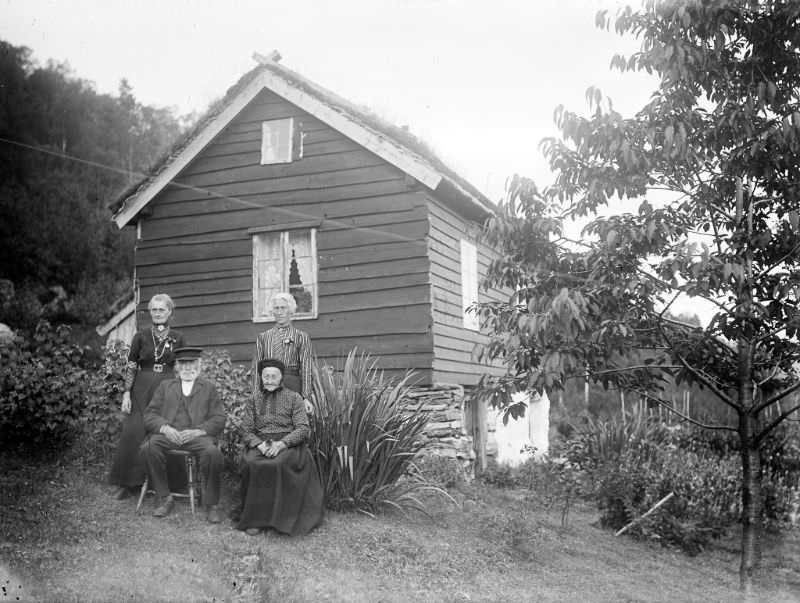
{"x": 192, "y": 479}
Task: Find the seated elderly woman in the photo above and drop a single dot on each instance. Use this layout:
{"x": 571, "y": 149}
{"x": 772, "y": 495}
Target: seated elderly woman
{"x": 280, "y": 488}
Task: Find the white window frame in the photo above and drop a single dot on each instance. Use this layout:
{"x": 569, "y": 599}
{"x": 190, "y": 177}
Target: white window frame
{"x": 469, "y": 284}
{"x": 283, "y": 232}
{"x": 289, "y": 146}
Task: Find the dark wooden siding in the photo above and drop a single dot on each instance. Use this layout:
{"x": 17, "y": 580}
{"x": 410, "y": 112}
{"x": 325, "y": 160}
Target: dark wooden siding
{"x": 374, "y": 283}
{"x": 454, "y": 345}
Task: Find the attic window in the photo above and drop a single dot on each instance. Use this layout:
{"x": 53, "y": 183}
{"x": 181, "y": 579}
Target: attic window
{"x": 281, "y": 141}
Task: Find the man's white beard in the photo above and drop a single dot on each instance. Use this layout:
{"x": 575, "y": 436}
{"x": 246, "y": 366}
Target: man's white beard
{"x": 189, "y": 375}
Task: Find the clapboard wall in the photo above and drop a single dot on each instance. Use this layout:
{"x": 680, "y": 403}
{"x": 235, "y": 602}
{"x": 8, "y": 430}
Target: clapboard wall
{"x": 374, "y": 278}
{"x": 455, "y": 347}
{"x": 388, "y": 249}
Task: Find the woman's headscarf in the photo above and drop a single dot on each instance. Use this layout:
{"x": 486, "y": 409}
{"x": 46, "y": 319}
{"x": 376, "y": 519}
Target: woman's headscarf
{"x": 270, "y": 362}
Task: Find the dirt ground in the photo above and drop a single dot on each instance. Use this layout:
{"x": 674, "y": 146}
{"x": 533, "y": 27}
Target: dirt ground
{"x": 65, "y": 539}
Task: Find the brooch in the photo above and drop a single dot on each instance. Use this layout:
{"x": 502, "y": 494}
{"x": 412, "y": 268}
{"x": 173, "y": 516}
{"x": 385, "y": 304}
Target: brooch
{"x": 287, "y": 341}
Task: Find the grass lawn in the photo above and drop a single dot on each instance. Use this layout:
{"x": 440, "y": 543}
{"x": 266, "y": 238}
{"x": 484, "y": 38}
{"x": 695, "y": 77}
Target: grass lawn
{"x": 65, "y": 539}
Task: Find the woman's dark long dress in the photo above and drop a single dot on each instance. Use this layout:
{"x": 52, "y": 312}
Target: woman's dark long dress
{"x": 284, "y": 492}
{"x": 126, "y": 468}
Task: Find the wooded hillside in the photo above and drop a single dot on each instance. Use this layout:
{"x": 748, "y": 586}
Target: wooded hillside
{"x": 65, "y": 152}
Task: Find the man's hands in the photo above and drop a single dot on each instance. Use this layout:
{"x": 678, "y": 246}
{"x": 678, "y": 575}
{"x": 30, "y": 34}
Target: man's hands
{"x": 272, "y": 449}
{"x": 126, "y": 403}
{"x": 187, "y": 435}
{"x": 180, "y": 437}
{"x": 172, "y": 434}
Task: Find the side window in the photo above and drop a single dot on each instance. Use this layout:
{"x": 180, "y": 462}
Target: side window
{"x": 469, "y": 284}
{"x": 285, "y": 261}
{"x": 281, "y": 141}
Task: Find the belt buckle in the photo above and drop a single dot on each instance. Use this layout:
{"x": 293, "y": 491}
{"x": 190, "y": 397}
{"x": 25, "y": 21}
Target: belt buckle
{"x": 158, "y": 368}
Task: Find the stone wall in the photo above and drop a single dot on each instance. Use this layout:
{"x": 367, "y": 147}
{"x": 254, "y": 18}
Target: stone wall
{"x": 446, "y": 434}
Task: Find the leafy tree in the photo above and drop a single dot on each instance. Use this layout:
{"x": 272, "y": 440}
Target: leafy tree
{"x": 65, "y": 152}
{"x": 713, "y": 163}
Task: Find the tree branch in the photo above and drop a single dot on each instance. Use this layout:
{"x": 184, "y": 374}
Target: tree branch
{"x": 709, "y": 190}
{"x": 667, "y": 306}
{"x": 632, "y": 368}
{"x": 779, "y": 396}
{"x": 668, "y": 407}
{"x": 766, "y": 336}
{"x": 776, "y": 263}
{"x": 666, "y": 285}
{"x": 768, "y": 377}
{"x": 703, "y": 378}
{"x": 776, "y": 422}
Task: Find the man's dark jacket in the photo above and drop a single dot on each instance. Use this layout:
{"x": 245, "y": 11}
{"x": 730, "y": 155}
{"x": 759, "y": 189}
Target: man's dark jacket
{"x": 204, "y": 405}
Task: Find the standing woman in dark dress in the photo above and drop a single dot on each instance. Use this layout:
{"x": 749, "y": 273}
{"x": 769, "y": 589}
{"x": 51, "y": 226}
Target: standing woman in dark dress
{"x": 289, "y": 345}
{"x": 150, "y": 362}
{"x": 280, "y": 487}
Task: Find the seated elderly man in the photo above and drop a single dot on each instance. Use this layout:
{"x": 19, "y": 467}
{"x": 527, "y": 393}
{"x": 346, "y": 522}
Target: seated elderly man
{"x": 185, "y": 414}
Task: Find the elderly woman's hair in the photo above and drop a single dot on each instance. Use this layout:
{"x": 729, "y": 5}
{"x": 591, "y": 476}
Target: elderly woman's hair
{"x": 161, "y": 297}
{"x": 287, "y": 297}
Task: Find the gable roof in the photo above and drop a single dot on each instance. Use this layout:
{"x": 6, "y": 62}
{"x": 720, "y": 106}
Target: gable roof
{"x": 394, "y": 145}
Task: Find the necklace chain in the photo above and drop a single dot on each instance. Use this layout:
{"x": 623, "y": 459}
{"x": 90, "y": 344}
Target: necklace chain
{"x": 163, "y": 338}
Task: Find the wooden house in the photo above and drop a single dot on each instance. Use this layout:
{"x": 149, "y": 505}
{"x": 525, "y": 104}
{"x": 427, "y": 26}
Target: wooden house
{"x": 120, "y": 322}
{"x": 286, "y": 186}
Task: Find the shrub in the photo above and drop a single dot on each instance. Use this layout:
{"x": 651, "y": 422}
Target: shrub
{"x": 442, "y": 471}
{"x": 502, "y": 475}
{"x": 707, "y": 494}
{"x": 101, "y": 419}
{"x": 20, "y": 309}
{"x": 234, "y": 387}
{"x": 780, "y": 462}
{"x": 43, "y": 386}
{"x": 364, "y": 437}
{"x": 563, "y": 477}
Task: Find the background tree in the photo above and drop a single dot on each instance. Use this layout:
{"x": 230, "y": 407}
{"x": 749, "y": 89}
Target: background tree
{"x": 713, "y": 163}
{"x": 65, "y": 152}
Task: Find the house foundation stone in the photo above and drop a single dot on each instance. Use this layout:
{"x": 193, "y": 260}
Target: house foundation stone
{"x": 446, "y": 434}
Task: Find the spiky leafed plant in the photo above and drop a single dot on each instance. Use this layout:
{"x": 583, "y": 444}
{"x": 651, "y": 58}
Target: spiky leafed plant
{"x": 610, "y": 439}
{"x": 365, "y": 436}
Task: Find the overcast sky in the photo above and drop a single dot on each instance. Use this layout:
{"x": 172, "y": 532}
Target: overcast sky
{"x": 478, "y": 80}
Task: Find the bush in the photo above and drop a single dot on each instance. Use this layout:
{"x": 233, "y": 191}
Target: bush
{"x": 441, "y": 471}
{"x": 707, "y": 492}
{"x": 502, "y": 475}
{"x": 101, "y": 419}
{"x": 704, "y": 471}
{"x": 233, "y": 382}
{"x": 364, "y": 439}
{"x": 563, "y": 477}
{"x": 20, "y": 309}
{"x": 43, "y": 386}
{"x": 780, "y": 462}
